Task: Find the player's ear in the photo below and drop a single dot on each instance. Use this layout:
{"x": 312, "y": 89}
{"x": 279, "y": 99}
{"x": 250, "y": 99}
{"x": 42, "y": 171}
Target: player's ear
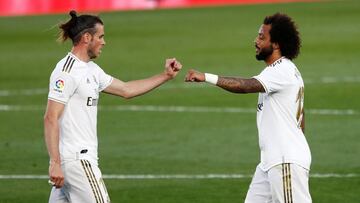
{"x": 275, "y": 45}
{"x": 86, "y": 37}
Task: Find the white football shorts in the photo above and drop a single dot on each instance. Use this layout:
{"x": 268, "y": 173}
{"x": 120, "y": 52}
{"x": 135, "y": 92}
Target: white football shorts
{"x": 82, "y": 183}
{"x": 283, "y": 183}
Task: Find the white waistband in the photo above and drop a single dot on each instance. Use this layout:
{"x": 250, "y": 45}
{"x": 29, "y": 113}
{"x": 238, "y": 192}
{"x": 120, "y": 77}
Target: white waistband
{"x": 89, "y": 155}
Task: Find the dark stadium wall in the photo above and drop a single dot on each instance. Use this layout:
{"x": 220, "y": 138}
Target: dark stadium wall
{"x": 38, "y": 7}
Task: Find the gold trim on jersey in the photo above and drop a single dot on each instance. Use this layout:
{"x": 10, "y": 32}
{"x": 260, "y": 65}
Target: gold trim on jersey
{"x": 56, "y": 100}
{"x": 300, "y": 109}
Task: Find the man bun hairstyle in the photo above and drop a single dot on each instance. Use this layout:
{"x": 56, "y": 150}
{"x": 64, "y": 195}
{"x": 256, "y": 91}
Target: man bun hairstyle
{"x": 77, "y": 26}
{"x": 284, "y": 32}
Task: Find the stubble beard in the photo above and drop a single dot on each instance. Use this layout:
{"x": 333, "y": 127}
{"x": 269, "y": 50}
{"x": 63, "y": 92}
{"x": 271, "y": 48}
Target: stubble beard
{"x": 91, "y": 50}
{"x": 91, "y": 54}
{"x": 264, "y": 53}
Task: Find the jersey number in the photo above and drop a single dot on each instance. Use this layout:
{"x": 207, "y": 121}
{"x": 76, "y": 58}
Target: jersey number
{"x": 300, "y": 101}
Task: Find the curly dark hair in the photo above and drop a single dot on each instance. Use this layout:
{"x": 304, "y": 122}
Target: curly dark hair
{"x": 284, "y": 32}
{"x": 77, "y": 26}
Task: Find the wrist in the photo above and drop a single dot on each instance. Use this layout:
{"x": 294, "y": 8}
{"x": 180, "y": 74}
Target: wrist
{"x": 55, "y": 161}
{"x": 167, "y": 76}
{"x": 211, "y": 78}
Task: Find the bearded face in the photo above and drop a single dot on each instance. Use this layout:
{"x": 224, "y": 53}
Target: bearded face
{"x": 264, "y": 53}
{"x": 97, "y": 42}
{"x": 263, "y": 44}
{"x": 91, "y": 52}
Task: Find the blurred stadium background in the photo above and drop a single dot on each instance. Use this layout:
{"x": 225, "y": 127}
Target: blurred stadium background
{"x": 164, "y": 146}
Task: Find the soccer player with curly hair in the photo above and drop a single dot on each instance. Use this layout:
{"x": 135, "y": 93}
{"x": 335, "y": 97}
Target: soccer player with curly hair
{"x": 283, "y": 172}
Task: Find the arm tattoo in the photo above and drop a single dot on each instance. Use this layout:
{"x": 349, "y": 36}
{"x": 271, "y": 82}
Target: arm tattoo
{"x": 240, "y": 85}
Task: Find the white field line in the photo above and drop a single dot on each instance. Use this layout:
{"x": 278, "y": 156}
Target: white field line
{"x": 23, "y": 92}
{"x": 349, "y": 79}
{"x": 142, "y": 108}
{"x": 182, "y": 109}
{"x": 322, "y": 80}
{"x": 181, "y": 176}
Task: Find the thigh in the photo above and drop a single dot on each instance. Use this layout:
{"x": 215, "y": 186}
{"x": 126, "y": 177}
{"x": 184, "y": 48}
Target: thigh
{"x": 85, "y": 183}
{"x": 289, "y": 183}
{"x": 259, "y": 189}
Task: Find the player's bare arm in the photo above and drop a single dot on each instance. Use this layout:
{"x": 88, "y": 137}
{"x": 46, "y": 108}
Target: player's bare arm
{"x": 53, "y": 113}
{"x": 232, "y": 84}
{"x": 240, "y": 85}
{"x": 138, "y": 87}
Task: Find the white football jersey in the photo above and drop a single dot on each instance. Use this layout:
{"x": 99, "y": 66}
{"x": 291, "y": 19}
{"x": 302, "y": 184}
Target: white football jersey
{"x": 77, "y": 84}
{"x": 279, "y": 116}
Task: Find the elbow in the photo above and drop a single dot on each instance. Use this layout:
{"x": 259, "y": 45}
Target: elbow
{"x": 128, "y": 95}
{"x": 122, "y": 94}
{"x": 241, "y": 91}
{"x": 246, "y": 91}
{"x": 121, "y": 91}
{"x": 46, "y": 119}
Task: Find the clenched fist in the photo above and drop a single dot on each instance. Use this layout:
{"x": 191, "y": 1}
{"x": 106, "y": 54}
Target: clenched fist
{"x": 172, "y": 67}
{"x": 194, "y": 76}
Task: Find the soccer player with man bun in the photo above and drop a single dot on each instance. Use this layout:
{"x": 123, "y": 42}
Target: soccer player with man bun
{"x": 71, "y": 115}
{"x": 283, "y": 172}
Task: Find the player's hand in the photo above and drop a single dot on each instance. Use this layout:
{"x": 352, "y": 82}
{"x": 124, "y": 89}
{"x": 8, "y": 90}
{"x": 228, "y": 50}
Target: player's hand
{"x": 194, "y": 76}
{"x": 172, "y": 67}
{"x": 56, "y": 175}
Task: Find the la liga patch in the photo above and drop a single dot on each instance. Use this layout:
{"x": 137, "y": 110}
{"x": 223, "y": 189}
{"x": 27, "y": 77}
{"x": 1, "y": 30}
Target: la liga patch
{"x": 59, "y": 85}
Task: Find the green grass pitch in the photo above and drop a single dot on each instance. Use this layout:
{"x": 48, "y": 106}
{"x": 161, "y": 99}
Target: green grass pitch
{"x": 217, "y": 40}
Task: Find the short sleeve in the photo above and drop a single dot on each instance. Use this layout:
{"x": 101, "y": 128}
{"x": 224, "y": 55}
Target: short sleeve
{"x": 273, "y": 79}
{"x": 104, "y": 79}
{"x": 62, "y": 86}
